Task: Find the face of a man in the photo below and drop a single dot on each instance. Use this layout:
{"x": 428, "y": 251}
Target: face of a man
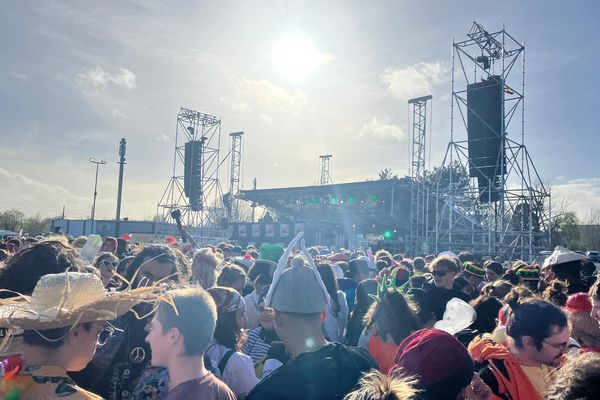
{"x": 158, "y": 343}
{"x": 442, "y": 276}
{"x": 553, "y": 347}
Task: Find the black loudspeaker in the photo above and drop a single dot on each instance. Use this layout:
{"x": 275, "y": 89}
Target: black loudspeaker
{"x": 485, "y": 121}
{"x": 192, "y": 174}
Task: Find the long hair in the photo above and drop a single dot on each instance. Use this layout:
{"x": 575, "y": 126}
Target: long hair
{"x": 392, "y": 316}
{"x": 331, "y": 285}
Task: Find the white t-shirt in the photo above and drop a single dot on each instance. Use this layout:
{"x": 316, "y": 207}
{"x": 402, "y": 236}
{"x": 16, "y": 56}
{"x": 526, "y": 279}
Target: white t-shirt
{"x": 238, "y": 373}
{"x": 334, "y": 326}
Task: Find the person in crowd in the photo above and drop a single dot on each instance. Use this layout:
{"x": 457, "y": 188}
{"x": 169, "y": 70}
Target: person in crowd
{"x": 65, "y": 339}
{"x": 336, "y": 316}
{"x": 537, "y": 336}
{"x": 595, "y": 300}
{"x": 584, "y": 329}
{"x": 126, "y": 349}
{"x": 444, "y": 270}
{"x": 493, "y": 271}
{"x": 317, "y": 369}
{"x": 252, "y": 299}
{"x": 498, "y": 289}
{"x": 106, "y": 263}
{"x": 178, "y": 336}
{"x": 235, "y": 367}
{"x": 441, "y": 366}
{"x": 577, "y": 380}
{"x": 358, "y": 270}
{"x": 424, "y": 313}
{"x": 474, "y": 274}
{"x": 487, "y": 308}
{"x": 205, "y": 267}
{"x": 389, "y": 321}
{"x": 565, "y": 265}
{"x": 232, "y": 276}
{"x": 465, "y": 256}
{"x": 260, "y": 339}
{"x": 375, "y": 385}
{"x": 79, "y": 242}
{"x": 556, "y": 292}
{"x": 363, "y": 300}
{"x": 419, "y": 266}
{"x": 530, "y": 276}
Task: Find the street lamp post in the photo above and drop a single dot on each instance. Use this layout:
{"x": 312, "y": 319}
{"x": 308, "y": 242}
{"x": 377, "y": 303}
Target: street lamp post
{"x": 98, "y": 163}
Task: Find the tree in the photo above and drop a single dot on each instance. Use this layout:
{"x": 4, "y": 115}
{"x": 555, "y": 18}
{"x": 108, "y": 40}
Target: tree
{"x": 387, "y": 174}
{"x": 11, "y": 220}
{"x": 566, "y": 231}
{"x": 590, "y": 232}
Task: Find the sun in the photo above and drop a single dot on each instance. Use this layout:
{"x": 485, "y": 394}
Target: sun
{"x": 295, "y": 58}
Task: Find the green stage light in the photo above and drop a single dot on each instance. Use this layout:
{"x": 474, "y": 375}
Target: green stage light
{"x": 316, "y": 201}
{"x": 374, "y": 197}
{"x": 333, "y": 200}
{"x": 387, "y": 234}
{"x": 350, "y": 199}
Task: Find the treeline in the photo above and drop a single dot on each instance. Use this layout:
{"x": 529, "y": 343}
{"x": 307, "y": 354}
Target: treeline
{"x": 16, "y": 220}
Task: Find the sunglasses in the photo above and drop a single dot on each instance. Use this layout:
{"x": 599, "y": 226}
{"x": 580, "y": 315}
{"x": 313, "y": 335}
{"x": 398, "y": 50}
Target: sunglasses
{"x": 439, "y": 273}
{"x": 108, "y": 263}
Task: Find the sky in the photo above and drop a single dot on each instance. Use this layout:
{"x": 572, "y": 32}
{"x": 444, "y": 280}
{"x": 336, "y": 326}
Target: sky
{"x": 300, "y": 78}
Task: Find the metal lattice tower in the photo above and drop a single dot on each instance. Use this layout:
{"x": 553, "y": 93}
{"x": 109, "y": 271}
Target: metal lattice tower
{"x": 325, "y": 164}
{"x": 517, "y": 224}
{"x": 418, "y": 221}
{"x": 234, "y": 175}
{"x": 193, "y": 125}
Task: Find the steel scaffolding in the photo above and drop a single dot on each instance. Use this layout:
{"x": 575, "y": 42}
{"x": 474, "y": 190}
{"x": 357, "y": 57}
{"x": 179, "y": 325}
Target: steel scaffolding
{"x": 418, "y": 231}
{"x": 196, "y": 126}
{"x": 325, "y": 168}
{"x": 517, "y": 224}
{"x": 234, "y": 175}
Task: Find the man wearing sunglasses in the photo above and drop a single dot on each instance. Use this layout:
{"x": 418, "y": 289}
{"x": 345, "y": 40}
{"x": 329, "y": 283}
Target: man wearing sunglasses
{"x": 107, "y": 264}
{"x": 444, "y": 270}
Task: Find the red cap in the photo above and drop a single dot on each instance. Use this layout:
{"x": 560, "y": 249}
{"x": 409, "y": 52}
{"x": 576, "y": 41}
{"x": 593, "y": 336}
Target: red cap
{"x": 433, "y": 355}
{"x": 578, "y": 302}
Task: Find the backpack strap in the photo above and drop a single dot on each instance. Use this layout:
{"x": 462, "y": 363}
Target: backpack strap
{"x": 224, "y": 360}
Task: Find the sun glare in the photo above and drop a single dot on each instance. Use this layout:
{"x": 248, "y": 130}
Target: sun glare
{"x": 295, "y": 58}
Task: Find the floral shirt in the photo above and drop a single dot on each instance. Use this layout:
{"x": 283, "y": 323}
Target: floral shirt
{"x": 35, "y": 382}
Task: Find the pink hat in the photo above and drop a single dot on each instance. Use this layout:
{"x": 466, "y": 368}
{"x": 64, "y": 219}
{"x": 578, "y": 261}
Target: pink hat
{"x": 578, "y": 302}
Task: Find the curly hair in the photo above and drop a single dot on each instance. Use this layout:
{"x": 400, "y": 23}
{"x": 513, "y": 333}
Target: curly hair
{"x": 205, "y": 267}
{"x": 392, "y": 316}
{"x": 577, "y": 379}
{"x": 161, "y": 254}
{"x": 556, "y": 292}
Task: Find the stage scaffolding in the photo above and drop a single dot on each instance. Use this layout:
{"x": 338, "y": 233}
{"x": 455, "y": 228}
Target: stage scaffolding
{"x": 517, "y": 225}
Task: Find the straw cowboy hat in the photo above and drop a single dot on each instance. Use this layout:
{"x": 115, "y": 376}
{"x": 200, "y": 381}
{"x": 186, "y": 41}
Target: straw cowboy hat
{"x": 67, "y": 299}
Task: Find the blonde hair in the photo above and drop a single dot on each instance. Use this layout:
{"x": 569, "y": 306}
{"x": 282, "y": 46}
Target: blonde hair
{"x": 377, "y": 386}
{"x": 205, "y": 267}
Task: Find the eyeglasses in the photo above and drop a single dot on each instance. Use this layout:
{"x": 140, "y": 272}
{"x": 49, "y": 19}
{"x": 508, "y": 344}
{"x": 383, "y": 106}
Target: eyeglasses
{"x": 558, "y": 346}
{"x": 108, "y": 263}
{"x": 439, "y": 273}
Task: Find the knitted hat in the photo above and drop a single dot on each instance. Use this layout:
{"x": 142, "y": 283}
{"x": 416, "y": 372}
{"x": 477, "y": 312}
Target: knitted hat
{"x": 474, "y": 269}
{"x": 433, "y": 356}
{"x": 578, "y": 302}
{"x": 529, "y": 273}
{"x": 298, "y": 289}
{"x": 270, "y": 251}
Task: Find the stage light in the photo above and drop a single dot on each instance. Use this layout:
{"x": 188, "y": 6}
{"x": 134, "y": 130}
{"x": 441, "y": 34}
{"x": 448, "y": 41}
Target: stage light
{"x": 374, "y": 197}
{"x": 387, "y": 234}
{"x": 350, "y": 199}
{"x": 333, "y": 200}
{"x": 316, "y": 201}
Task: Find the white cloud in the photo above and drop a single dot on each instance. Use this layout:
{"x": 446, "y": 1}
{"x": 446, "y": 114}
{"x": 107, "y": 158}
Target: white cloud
{"x": 582, "y": 194}
{"x": 98, "y": 78}
{"x": 414, "y": 80}
{"x": 18, "y": 75}
{"x": 382, "y": 129}
{"x": 269, "y": 96}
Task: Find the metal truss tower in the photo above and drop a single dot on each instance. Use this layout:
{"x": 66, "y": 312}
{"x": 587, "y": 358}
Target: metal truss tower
{"x": 196, "y": 126}
{"x": 234, "y": 175}
{"x": 418, "y": 231}
{"x": 325, "y": 167}
{"x": 516, "y": 223}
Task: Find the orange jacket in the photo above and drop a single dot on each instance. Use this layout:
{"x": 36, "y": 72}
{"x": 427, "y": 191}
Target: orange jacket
{"x": 513, "y": 383}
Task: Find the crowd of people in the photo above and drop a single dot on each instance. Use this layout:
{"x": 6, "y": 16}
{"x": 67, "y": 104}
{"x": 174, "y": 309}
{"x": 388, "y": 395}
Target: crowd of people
{"x": 184, "y": 321}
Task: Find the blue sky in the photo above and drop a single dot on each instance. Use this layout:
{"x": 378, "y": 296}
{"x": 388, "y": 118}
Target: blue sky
{"x": 75, "y": 77}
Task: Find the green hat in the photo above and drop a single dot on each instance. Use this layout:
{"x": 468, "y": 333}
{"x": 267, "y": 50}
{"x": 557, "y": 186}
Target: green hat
{"x": 529, "y": 273}
{"x": 271, "y": 251}
{"x": 474, "y": 269}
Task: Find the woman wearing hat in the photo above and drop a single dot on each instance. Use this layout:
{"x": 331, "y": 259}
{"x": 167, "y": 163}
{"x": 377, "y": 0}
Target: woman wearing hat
{"x": 236, "y": 368}
{"x": 62, "y": 322}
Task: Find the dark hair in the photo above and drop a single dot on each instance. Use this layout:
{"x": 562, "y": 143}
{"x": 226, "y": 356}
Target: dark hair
{"x": 512, "y": 278}
{"x": 419, "y": 263}
{"x": 50, "y": 338}
{"x": 25, "y": 268}
{"x": 535, "y": 318}
{"x": 263, "y": 280}
{"x": 424, "y": 312}
{"x": 227, "y": 331}
{"x": 418, "y": 281}
{"x": 162, "y": 254}
{"x": 569, "y": 271}
{"x": 498, "y": 289}
{"x": 331, "y": 285}
{"x": 230, "y": 274}
{"x": 261, "y": 267}
{"x": 465, "y": 256}
{"x": 556, "y": 292}
{"x": 494, "y": 266}
{"x": 577, "y": 379}
{"x": 195, "y": 318}
{"x": 487, "y": 308}
{"x": 393, "y": 317}
{"x": 381, "y": 265}
{"x": 518, "y": 293}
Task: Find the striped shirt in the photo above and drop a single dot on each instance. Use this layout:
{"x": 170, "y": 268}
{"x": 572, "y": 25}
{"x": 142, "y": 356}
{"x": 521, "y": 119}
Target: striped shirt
{"x": 258, "y": 343}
